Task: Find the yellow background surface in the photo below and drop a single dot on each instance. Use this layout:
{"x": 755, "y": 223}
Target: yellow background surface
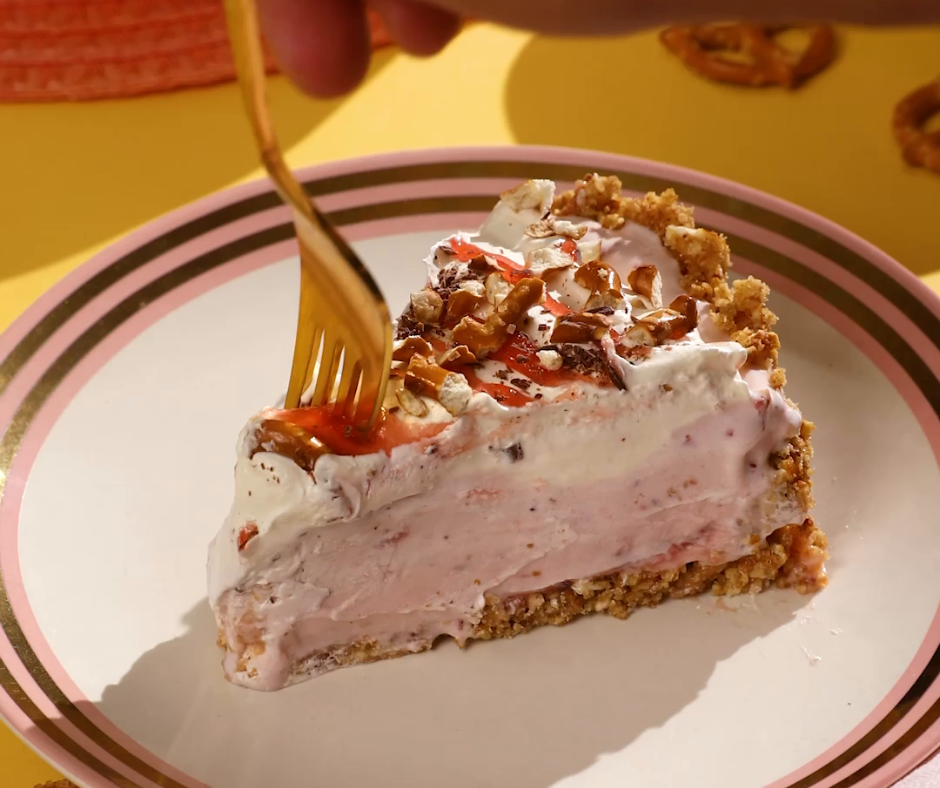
{"x": 73, "y": 178}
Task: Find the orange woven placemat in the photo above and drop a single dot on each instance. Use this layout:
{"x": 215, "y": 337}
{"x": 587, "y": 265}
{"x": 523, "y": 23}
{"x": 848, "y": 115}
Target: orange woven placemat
{"x": 55, "y": 50}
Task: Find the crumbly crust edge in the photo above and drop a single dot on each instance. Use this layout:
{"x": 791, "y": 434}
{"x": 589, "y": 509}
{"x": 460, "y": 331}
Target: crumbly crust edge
{"x": 740, "y": 309}
{"x": 792, "y": 557}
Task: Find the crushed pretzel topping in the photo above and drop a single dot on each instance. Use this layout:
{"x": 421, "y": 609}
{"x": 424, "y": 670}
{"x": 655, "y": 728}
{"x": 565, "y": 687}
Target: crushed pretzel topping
{"x": 543, "y": 228}
{"x": 427, "y": 306}
{"x": 550, "y": 359}
{"x": 580, "y": 327}
{"x": 404, "y": 349}
{"x": 496, "y": 288}
{"x": 534, "y": 194}
{"x": 594, "y": 197}
{"x": 604, "y": 284}
{"x": 455, "y": 394}
{"x": 743, "y": 305}
{"x": 548, "y": 258}
{"x": 430, "y": 380}
{"x": 424, "y": 376}
{"x": 687, "y": 306}
{"x": 646, "y": 281}
{"x": 411, "y": 403}
{"x": 661, "y": 326}
{"x": 568, "y": 229}
{"x": 458, "y": 356}
{"x": 642, "y": 334}
{"x": 465, "y": 299}
{"x": 704, "y": 261}
{"x": 289, "y": 440}
{"x": 704, "y": 258}
{"x": 590, "y": 251}
{"x": 481, "y": 338}
{"x": 550, "y": 227}
{"x": 524, "y": 295}
{"x": 598, "y": 197}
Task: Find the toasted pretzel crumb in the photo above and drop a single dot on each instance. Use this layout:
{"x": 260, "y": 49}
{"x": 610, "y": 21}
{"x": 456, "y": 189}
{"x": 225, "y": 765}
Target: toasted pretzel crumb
{"x": 570, "y": 229}
{"x": 792, "y": 464}
{"x": 411, "y": 403}
{"x": 703, "y": 255}
{"x": 455, "y": 393}
{"x": 548, "y": 258}
{"x": 704, "y": 259}
{"x": 534, "y": 194}
{"x": 427, "y": 305}
{"x": 550, "y": 359}
{"x": 743, "y": 305}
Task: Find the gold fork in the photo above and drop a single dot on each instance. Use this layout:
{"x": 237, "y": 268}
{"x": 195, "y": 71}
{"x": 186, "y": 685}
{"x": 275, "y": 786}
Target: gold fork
{"x": 344, "y": 333}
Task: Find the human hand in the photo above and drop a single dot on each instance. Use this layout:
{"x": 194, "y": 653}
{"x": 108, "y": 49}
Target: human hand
{"x": 323, "y": 45}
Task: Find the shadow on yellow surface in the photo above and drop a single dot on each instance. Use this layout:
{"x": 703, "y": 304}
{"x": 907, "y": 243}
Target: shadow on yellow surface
{"x": 185, "y": 145}
{"x": 826, "y": 146}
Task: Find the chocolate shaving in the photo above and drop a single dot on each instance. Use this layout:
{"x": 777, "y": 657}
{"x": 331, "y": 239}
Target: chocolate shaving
{"x": 514, "y": 452}
{"x": 451, "y": 278}
{"x": 587, "y": 361}
{"x": 634, "y": 352}
{"x": 521, "y": 383}
{"x": 602, "y": 310}
{"x": 408, "y": 326}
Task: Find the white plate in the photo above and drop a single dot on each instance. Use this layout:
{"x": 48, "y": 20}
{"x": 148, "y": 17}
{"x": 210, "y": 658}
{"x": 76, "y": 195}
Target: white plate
{"x": 122, "y": 392}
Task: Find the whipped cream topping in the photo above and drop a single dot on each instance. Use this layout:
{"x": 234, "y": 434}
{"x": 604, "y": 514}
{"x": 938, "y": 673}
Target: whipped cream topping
{"x": 557, "y": 460}
{"x": 610, "y": 299}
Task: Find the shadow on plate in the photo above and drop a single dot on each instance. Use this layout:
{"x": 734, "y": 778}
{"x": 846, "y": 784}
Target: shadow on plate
{"x": 99, "y": 169}
{"x": 528, "y": 712}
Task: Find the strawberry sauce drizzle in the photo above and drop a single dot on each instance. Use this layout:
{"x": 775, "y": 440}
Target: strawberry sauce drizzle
{"x": 333, "y": 430}
{"x": 512, "y": 272}
{"x": 519, "y": 353}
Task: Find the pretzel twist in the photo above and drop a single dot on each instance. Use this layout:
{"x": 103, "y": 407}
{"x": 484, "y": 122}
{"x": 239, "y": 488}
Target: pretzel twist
{"x": 919, "y": 146}
{"x": 759, "y": 59}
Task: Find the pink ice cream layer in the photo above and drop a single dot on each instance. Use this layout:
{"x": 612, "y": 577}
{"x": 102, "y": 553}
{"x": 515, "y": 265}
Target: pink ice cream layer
{"x": 418, "y": 568}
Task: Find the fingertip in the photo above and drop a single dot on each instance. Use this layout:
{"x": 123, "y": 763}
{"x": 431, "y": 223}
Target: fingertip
{"x": 418, "y": 28}
{"x": 322, "y": 45}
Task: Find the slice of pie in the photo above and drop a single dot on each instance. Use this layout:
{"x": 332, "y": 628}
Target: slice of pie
{"x": 584, "y": 416}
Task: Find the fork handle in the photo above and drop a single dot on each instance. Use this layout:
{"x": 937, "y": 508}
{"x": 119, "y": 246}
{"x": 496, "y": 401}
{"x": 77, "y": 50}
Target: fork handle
{"x": 242, "y": 18}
